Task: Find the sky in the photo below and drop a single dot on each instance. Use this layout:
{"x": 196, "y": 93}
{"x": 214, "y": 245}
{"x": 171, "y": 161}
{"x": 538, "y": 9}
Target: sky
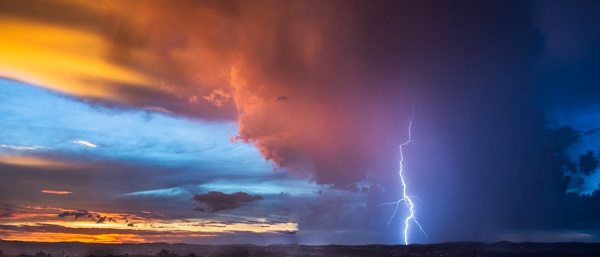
{"x": 276, "y": 122}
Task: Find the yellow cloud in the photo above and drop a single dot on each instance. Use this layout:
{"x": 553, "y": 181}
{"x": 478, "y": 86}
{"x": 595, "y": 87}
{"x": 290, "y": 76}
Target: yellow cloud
{"x": 128, "y": 223}
{"x": 65, "y": 59}
{"x": 71, "y": 237}
{"x": 56, "y": 192}
{"x": 34, "y": 161}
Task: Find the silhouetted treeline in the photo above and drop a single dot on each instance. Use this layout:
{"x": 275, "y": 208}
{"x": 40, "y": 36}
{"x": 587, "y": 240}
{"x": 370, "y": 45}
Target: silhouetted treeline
{"x": 162, "y": 253}
{"x": 465, "y": 249}
{"x": 38, "y": 254}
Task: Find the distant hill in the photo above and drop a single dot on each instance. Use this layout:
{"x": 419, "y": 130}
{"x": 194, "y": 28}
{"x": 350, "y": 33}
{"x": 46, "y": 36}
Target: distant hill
{"x": 464, "y": 249}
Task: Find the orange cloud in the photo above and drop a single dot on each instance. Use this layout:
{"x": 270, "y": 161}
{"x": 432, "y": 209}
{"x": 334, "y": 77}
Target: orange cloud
{"x": 218, "y": 97}
{"x": 62, "y": 58}
{"x": 214, "y": 60}
{"x": 71, "y": 237}
{"x": 98, "y": 50}
{"x": 46, "y": 222}
{"x": 35, "y": 161}
{"x": 55, "y": 192}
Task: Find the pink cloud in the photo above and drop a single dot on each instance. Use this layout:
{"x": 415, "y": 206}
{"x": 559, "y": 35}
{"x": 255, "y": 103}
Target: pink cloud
{"x": 56, "y": 192}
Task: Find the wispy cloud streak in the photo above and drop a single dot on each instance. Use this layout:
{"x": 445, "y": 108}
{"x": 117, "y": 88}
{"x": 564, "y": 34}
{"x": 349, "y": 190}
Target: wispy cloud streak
{"x": 23, "y": 148}
{"x": 56, "y": 192}
{"x": 84, "y": 143}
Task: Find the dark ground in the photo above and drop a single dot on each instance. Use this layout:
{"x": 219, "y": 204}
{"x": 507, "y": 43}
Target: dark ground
{"x": 466, "y": 249}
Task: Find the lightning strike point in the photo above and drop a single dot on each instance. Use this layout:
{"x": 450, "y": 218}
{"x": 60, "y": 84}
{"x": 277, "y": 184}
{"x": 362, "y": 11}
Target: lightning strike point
{"x": 408, "y": 202}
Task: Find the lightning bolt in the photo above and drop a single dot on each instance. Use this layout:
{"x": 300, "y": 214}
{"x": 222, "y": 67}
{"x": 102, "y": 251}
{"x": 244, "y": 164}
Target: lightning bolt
{"x": 408, "y": 201}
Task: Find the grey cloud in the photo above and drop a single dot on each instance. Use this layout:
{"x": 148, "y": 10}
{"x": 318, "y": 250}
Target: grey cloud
{"x": 218, "y": 201}
{"x": 76, "y": 214}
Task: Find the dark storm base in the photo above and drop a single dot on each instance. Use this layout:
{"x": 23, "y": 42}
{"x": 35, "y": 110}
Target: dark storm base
{"x": 28, "y": 249}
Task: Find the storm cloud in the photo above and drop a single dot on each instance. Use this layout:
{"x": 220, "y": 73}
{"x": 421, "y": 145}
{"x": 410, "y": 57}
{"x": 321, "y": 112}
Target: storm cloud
{"x": 218, "y": 201}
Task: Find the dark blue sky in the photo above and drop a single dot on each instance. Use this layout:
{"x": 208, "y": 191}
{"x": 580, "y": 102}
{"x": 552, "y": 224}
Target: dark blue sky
{"x": 152, "y": 121}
